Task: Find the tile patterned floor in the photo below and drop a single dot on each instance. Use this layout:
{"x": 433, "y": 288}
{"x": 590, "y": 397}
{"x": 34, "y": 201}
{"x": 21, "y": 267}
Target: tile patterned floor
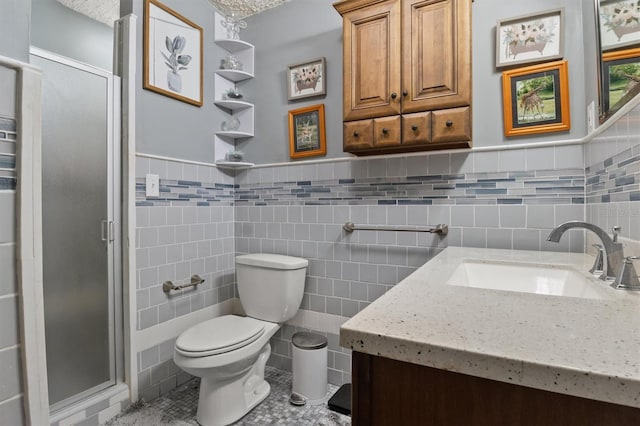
{"x": 178, "y": 408}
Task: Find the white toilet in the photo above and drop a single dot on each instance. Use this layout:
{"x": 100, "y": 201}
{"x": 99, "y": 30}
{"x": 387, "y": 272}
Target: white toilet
{"x": 230, "y": 352}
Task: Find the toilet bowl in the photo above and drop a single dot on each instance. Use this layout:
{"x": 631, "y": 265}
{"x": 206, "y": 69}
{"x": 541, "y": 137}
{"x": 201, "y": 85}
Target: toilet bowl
{"x": 229, "y": 353}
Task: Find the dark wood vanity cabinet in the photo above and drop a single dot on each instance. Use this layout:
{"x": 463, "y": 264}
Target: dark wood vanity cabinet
{"x": 389, "y": 392}
{"x": 407, "y": 66}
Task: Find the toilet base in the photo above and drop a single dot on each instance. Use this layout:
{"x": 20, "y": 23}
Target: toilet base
{"x": 221, "y": 404}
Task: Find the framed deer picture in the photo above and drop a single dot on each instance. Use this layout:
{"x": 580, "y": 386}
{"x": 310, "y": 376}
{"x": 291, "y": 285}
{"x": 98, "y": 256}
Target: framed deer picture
{"x": 530, "y": 38}
{"x": 621, "y": 77}
{"x": 307, "y": 132}
{"x": 536, "y": 99}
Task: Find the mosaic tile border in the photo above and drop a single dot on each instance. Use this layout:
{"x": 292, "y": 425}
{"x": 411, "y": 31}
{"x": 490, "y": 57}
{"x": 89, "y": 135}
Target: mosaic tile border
{"x": 186, "y": 193}
{"x": 506, "y": 188}
{"x": 616, "y": 179}
{"x": 8, "y": 140}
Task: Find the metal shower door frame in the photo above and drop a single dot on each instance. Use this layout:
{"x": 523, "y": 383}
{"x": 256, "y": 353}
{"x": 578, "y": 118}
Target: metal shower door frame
{"x": 114, "y": 220}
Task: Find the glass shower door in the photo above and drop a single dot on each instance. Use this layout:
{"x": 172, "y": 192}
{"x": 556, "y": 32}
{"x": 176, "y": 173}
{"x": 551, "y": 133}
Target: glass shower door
{"x": 78, "y": 234}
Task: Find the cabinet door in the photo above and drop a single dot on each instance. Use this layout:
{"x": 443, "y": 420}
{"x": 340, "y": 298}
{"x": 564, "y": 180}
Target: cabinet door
{"x": 416, "y": 128}
{"x": 451, "y": 125}
{"x": 386, "y": 131}
{"x": 372, "y": 61}
{"x": 358, "y": 135}
{"x": 436, "y": 53}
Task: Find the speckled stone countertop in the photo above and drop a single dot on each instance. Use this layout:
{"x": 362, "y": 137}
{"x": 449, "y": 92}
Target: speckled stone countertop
{"x": 583, "y": 347}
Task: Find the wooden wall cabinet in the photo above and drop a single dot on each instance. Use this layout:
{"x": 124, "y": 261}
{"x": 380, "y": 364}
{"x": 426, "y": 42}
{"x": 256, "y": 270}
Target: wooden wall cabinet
{"x": 402, "y": 57}
{"x": 389, "y": 392}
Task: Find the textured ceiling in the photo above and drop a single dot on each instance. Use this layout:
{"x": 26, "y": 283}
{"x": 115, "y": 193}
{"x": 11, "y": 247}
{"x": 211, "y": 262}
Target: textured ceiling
{"x": 105, "y": 11}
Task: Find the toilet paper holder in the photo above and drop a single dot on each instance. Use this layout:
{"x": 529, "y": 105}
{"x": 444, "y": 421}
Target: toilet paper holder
{"x": 195, "y": 280}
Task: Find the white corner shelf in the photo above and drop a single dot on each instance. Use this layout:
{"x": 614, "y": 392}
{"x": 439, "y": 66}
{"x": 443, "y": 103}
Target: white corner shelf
{"x": 226, "y": 80}
{"x": 235, "y": 134}
{"x": 232, "y": 45}
{"x": 235, "y": 165}
{"x": 233, "y": 105}
{"x": 234, "y": 75}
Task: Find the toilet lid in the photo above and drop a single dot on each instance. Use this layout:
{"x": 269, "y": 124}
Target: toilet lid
{"x": 219, "y": 335}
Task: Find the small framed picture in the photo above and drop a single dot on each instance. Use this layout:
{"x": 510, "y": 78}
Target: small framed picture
{"x": 307, "y": 132}
{"x": 621, "y": 76}
{"x": 530, "y": 38}
{"x": 536, "y": 99}
{"x": 619, "y": 24}
{"x": 307, "y": 79}
{"x": 172, "y": 54}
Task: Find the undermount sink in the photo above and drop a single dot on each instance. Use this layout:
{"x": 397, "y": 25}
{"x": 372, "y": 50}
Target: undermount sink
{"x": 553, "y": 280}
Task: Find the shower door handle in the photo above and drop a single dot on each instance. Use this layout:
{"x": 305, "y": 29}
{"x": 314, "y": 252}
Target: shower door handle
{"x": 107, "y": 230}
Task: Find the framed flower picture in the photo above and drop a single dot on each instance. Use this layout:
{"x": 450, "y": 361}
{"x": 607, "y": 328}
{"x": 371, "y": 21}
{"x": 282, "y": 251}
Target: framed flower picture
{"x": 173, "y": 54}
{"x": 536, "y": 99}
{"x": 530, "y": 38}
{"x": 307, "y": 79}
{"x": 619, "y": 24}
{"x": 307, "y": 132}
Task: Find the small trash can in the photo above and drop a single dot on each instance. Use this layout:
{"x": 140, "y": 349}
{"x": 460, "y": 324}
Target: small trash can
{"x": 309, "y": 365}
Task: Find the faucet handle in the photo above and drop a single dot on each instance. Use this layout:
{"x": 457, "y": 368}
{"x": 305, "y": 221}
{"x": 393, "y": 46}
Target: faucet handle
{"x": 628, "y": 278}
{"x": 598, "y": 264}
{"x": 615, "y": 230}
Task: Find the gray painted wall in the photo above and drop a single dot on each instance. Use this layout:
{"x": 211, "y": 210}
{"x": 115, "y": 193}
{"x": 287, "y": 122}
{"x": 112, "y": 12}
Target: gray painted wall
{"x": 166, "y": 126}
{"x": 302, "y": 30}
{"x": 15, "y": 16}
{"x": 68, "y": 33}
{"x": 292, "y": 33}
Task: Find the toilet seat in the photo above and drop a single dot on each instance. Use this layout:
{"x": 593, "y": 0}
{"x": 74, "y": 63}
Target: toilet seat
{"x": 219, "y": 335}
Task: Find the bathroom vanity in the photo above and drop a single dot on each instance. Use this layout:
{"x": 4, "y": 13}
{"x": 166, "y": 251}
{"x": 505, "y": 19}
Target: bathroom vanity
{"x": 448, "y": 346}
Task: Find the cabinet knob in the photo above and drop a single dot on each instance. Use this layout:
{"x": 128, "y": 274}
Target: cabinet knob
{"x": 405, "y": 92}
{"x": 449, "y": 123}
{"x": 414, "y": 127}
{"x": 385, "y": 130}
{"x": 356, "y": 134}
{"x": 394, "y": 95}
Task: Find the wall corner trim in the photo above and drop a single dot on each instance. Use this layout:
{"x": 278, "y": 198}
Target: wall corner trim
{"x": 29, "y": 246}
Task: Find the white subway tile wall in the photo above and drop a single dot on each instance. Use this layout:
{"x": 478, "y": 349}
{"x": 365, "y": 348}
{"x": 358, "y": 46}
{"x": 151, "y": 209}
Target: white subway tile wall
{"x": 613, "y": 177}
{"x": 507, "y": 199}
{"x": 11, "y": 390}
{"x": 188, "y": 230}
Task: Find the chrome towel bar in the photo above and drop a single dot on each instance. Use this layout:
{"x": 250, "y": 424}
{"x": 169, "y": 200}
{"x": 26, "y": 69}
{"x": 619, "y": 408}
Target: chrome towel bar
{"x": 441, "y": 228}
{"x": 195, "y": 281}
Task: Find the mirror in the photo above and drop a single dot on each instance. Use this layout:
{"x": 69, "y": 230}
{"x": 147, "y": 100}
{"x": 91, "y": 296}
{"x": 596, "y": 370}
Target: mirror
{"x": 618, "y": 37}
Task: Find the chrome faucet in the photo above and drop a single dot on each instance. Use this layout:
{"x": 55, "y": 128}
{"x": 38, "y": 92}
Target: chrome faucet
{"x": 612, "y": 248}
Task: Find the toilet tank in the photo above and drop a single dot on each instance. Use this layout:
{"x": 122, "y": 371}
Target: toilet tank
{"x": 271, "y": 286}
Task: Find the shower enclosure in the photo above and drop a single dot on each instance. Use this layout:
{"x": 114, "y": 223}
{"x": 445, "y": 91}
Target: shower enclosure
{"x": 81, "y": 235}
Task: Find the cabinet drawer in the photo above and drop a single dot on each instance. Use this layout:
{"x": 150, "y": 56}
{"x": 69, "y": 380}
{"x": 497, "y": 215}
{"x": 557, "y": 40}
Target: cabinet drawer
{"x": 386, "y": 131}
{"x": 358, "y": 135}
{"x": 450, "y": 125}
{"x": 416, "y": 128}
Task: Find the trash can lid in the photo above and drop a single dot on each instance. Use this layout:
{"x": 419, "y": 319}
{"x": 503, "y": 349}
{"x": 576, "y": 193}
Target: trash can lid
{"x": 307, "y": 340}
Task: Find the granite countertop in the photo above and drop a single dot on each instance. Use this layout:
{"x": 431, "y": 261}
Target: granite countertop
{"x": 584, "y": 347}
